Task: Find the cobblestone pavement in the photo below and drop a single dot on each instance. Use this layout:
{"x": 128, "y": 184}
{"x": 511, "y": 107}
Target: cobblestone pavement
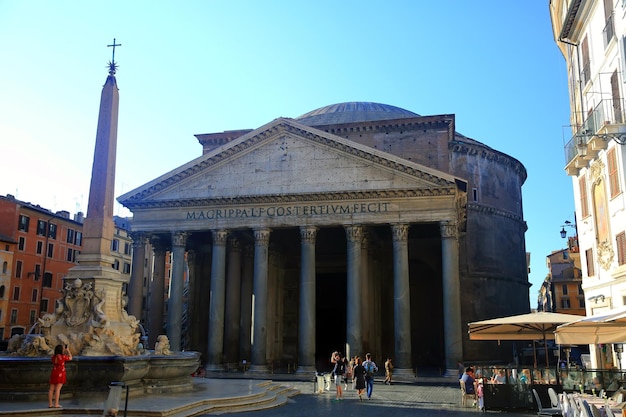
{"x": 398, "y": 400}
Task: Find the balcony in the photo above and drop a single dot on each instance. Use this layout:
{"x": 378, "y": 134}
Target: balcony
{"x": 604, "y": 123}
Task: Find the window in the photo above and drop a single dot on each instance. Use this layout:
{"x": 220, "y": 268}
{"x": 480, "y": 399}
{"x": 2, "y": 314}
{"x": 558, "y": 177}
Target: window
{"x": 47, "y": 280}
{"x": 33, "y": 315}
{"x": 126, "y": 248}
{"x": 79, "y": 239}
{"x": 70, "y": 235}
{"x": 580, "y": 290}
{"x": 52, "y": 231}
{"x": 115, "y": 244}
{"x": 41, "y": 228}
{"x": 620, "y": 241}
{"x": 22, "y": 224}
{"x": 565, "y": 254}
{"x": 70, "y": 255}
{"x": 116, "y": 265}
{"x": 16, "y": 293}
{"x": 37, "y": 272}
{"x": 39, "y": 247}
{"x": 126, "y": 268}
{"x": 18, "y": 269}
{"x": 1, "y": 291}
{"x": 5, "y": 267}
{"x": 609, "y": 30}
{"x": 565, "y": 303}
{"x": 43, "y": 306}
{"x": 35, "y": 295}
{"x": 564, "y": 289}
{"x": 13, "y": 316}
{"x": 584, "y": 206}
{"x": 581, "y": 302}
{"x": 612, "y": 168}
{"x": 589, "y": 257}
{"x": 21, "y": 243}
{"x": 50, "y": 250}
{"x": 586, "y": 72}
{"x": 475, "y": 194}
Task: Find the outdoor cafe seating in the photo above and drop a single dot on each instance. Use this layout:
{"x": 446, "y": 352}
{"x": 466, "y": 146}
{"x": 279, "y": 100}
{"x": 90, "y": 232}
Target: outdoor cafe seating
{"x": 509, "y": 388}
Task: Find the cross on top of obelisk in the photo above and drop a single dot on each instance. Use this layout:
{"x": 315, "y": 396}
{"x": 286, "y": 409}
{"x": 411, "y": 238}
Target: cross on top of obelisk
{"x": 112, "y": 65}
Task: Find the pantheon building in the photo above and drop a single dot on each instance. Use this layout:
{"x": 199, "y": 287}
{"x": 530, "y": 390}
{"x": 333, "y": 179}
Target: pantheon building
{"x": 358, "y": 227}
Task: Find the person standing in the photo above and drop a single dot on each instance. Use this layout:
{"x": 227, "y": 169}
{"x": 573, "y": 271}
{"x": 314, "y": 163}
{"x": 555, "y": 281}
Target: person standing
{"x": 58, "y": 376}
{"x": 358, "y": 373}
{"x": 338, "y": 373}
{"x": 388, "y": 371}
{"x": 370, "y": 368}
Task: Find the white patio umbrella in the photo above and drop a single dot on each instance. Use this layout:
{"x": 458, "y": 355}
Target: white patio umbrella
{"x": 529, "y": 326}
{"x": 608, "y": 327}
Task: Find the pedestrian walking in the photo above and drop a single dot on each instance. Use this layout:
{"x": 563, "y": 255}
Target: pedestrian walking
{"x": 370, "y": 369}
{"x": 388, "y": 371}
{"x": 359, "y": 377}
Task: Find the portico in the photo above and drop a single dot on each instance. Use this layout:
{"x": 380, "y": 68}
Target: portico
{"x": 299, "y": 243}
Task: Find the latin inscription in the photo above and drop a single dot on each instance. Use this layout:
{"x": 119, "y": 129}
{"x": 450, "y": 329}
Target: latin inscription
{"x": 286, "y": 211}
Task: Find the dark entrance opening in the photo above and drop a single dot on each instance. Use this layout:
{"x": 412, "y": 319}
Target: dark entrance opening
{"x": 330, "y": 320}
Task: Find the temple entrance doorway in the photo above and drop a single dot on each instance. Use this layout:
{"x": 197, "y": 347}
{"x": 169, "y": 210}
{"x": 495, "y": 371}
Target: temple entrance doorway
{"x": 330, "y": 320}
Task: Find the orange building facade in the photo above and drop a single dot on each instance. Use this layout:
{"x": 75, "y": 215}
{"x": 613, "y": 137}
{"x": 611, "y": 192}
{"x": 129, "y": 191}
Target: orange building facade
{"x": 43, "y": 246}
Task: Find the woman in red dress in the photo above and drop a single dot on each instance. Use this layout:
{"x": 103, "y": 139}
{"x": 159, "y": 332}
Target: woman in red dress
{"x": 58, "y": 376}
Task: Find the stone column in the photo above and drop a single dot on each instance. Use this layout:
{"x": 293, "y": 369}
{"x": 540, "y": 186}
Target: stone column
{"x": 245, "y": 328}
{"x": 175, "y": 304}
{"x": 216, "y": 301}
{"x": 451, "y": 296}
{"x": 135, "y": 286}
{"x": 353, "y": 299}
{"x": 401, "y": 301}
{"x": 233, "y": 302}
{"x": 157, "y": 292}
{"x": 259, "y": 286}
{"x": 367, "y": 296}
{"x": 306, "y": 321}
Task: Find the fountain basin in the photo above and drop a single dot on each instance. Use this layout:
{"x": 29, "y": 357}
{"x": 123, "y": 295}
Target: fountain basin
{"x": 24, "y": 378}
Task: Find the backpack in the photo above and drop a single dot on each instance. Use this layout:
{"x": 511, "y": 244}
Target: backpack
{"x": 369, "y": 369}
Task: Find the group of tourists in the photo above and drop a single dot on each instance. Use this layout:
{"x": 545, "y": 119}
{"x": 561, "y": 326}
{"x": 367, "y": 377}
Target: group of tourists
{"x": 357, "y": 371}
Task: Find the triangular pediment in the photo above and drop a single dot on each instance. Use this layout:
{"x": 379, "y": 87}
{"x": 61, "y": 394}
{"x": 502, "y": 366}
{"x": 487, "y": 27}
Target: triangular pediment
{"x": 285, "y": 158}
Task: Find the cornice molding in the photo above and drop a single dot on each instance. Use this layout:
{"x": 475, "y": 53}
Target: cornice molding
{"x": 482, "y": 209}
{"x": 296, "y": 198}
{"x": 481, "y": 151}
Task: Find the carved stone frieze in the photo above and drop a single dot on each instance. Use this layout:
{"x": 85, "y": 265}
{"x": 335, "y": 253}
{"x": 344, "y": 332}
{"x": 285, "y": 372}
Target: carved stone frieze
{"x": 605, "y": 254}
{"x": 596, "y": 171}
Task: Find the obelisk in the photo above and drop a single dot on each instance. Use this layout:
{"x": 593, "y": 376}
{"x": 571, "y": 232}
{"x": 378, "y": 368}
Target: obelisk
{"x": 92, "y": 301}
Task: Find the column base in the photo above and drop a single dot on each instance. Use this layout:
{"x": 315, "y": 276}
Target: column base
{"x": 258, "y": 369}
{"x": 306, "y": 369}
{"x": 403, "y": 374}
{"x": 452, "y": 372}
{"x": 214, "y": 367}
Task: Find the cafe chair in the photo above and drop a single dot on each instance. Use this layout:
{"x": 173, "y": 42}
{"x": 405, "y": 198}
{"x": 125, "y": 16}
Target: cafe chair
{"x": 465, "y": 396}
{"x": 543, "y": 411}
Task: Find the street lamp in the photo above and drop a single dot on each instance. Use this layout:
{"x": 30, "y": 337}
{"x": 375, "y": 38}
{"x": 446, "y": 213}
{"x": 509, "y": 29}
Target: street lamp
{"x": 563, "y": 226}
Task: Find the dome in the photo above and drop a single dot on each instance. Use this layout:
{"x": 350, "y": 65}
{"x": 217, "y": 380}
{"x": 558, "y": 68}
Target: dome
{"x": 352, "y": 112}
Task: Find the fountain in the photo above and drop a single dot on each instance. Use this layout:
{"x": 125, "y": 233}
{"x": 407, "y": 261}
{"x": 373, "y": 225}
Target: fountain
{"x": 90, "y": 317}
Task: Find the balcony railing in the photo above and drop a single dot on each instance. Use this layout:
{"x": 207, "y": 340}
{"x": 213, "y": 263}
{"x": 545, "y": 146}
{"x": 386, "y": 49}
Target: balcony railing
{"x": 607, "y": 112}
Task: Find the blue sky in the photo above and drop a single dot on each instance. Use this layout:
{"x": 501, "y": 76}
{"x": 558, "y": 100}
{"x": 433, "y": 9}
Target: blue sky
{"x": 208, "y": 66}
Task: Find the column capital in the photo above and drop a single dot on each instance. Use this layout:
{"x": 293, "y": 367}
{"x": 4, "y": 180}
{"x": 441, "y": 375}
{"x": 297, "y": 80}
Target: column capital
{"x": 139, "y": 239}
{"x": 400, "y": 232}
{"x": 234, "y": 244}
{"x": 354, "y": 233}
{"x": 158, "y": 244}
{"x": 220, "y": 237}
{"x": 262, "y": 237}
{"x": 448, "y": 230}
{"x": 308, "y": 234}
{"x": 179, "y": 238}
